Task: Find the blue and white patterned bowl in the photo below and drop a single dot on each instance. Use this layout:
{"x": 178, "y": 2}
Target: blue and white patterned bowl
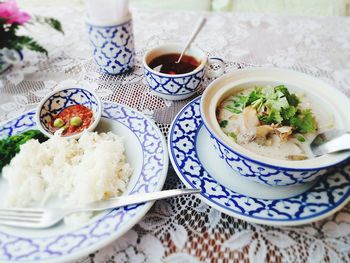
{"x": 259, "y": 168}
{"x": 63, "y": 97}
{"x": 174, "y": 87}
{"x": 113, "y": 46}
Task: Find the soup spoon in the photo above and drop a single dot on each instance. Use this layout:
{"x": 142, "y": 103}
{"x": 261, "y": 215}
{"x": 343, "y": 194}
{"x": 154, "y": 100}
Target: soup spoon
{"x": 195, "y": 32}
{"x": 330, "y": 141}
{"x": 198, "y": 28}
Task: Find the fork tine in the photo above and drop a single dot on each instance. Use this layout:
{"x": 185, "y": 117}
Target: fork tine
{"x": 22, "y": 214}
{"x": 20, "y": 209}
{"x": 21, "y": 223}
{"x": 20, "y": 219}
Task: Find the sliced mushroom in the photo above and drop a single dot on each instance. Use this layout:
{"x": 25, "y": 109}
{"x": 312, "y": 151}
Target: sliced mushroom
{"x": 284, "y": 132}
{"x": 296, "y": 157}
{"x": 262, "y": 135}
{"x": 250, "y": 118}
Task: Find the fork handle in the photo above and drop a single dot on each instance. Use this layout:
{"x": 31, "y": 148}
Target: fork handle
{"x": 133, "y": 199}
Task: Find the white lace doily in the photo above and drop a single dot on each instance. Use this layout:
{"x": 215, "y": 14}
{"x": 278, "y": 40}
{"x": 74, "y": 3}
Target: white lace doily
{"x": 184, "y": 229}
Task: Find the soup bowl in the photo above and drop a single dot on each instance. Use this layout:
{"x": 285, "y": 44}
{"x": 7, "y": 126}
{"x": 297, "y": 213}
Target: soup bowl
{"x": 179, "y": 86}
{"x": 259, "y": 168}
{"x": 63, "y": 97}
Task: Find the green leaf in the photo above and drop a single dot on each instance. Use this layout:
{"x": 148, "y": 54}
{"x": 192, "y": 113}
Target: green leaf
{"x": 273, "y": 118}
{"x": 292, "y": 99}
{"x": 223, "y": 123}
{"x": 54, "y": 23}
{"x": 255, "y": 95}
{"x": 11, "y": 145}
{"x": 28, "y": 42}
{"x": 237, "y": 104}
{"x": 287, "y": 113}
{"x": 300, "y": 138}
{"x": 233, "y": 109}
{"x": 304, "y": 121}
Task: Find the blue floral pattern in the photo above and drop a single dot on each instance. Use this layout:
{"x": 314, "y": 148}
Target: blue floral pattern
{"x": 175, "y": 86}
{"x": 108, "y": 226}
{"x": 327, "y": 195}
{"x": 113, "y": 47}
{"x": 262, "y": 173}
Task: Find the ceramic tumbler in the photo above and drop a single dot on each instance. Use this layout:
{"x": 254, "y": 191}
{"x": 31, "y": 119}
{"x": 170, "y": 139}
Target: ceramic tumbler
{"x": 113, "y": 46}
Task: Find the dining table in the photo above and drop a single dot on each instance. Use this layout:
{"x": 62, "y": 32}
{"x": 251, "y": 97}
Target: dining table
{"x": 186, "y": 229}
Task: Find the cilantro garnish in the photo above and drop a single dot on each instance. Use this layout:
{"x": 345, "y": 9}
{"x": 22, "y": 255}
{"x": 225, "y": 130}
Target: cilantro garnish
{"x": 275, "y": 105}
{"x": 300, "y": 138}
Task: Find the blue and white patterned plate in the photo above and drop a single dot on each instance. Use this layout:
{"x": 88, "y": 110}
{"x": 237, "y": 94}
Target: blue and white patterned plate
{"x": 198, "y": 166}
{"x": 146, "y": 152}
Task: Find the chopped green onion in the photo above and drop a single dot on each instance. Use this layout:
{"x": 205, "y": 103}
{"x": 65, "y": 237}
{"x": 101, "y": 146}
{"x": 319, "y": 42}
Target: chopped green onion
{"x": 223, "y": 123}
{"x": 300, "y": 138}
{"x": 233, "y": 136}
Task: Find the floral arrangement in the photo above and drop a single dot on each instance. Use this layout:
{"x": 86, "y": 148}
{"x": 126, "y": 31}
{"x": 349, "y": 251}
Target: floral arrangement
{"x": 11, "y": 19}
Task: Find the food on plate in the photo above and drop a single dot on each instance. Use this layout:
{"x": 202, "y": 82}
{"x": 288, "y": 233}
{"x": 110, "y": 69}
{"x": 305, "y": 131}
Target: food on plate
{"x": 73, "y": 119}
{"x": 11, "y": 145}
{"x": 270, "y": 121}
{"x": 77, "y": 172}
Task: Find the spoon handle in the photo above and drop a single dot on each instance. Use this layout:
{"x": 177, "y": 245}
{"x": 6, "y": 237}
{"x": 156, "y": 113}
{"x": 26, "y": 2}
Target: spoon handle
{"x": 195, "y": 32}
{"x": 340, "y": 143}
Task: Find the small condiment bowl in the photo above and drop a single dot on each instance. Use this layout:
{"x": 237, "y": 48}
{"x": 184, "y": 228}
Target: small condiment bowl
{"x": 63, "y": 97}
{"x": 262, "y": 169}
{"x": 179, "y": 86}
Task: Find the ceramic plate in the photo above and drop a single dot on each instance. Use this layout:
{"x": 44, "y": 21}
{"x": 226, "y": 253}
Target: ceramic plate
{"x": 146, "y": 152}
{"x": 198, "y": 166}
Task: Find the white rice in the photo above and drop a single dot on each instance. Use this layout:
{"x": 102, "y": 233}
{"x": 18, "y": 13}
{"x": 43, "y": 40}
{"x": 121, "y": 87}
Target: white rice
{"x": 77, "y": 172}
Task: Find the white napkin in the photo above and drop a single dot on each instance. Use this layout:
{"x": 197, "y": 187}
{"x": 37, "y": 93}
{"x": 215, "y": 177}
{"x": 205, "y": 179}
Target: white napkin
{"x": 107, "y": 12}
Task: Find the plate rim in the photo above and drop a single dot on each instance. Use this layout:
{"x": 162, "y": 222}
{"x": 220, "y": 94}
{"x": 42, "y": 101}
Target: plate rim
{"x": 140, "y": 214}
{"x": 228, "y": 212}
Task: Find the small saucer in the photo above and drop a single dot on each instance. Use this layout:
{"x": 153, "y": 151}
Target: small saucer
{"x": 198, "y": 166}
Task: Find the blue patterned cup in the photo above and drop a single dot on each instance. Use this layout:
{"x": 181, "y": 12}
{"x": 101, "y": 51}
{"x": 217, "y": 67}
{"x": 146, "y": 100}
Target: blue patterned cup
{"x": 179, "y": 86}
{"x": 113, "y": 46}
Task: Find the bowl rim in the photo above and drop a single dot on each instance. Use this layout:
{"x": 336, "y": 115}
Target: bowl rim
{"x": 305, "y": 165}
{"x": 200, "y": 67}
{"x": 97, "y": 115}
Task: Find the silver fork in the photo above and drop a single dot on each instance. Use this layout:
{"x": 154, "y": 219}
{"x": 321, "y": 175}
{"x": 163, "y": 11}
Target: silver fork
{"x": 45, "y": 217}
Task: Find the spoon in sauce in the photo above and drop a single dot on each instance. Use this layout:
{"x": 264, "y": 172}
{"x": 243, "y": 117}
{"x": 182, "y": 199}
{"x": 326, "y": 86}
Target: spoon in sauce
{"x": 195, "y": 32}
{"x": 330, "y": 141}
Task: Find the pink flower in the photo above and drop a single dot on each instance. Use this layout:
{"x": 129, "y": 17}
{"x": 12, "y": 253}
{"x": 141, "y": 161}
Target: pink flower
{"x": 9, "y": 11}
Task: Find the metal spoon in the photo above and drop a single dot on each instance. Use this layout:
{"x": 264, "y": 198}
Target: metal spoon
{"x": 330, "y": 141}
{"x": 199, "y": 26}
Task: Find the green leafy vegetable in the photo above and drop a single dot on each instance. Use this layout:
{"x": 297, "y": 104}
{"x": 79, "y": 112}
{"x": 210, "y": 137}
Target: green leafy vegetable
{"x": 300, "y": 138}
{"x": 275, "y": 105}
{"x": 304, "y": 121}
{"x": 273, "y": 117}
{"x": 11, "y": 145}
{"x": 223, "y": 123}
{"x": 237, "y": 104}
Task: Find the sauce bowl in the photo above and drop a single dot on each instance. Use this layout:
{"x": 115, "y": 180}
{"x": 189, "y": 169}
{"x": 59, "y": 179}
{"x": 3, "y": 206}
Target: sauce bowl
{"x": 63, "y": 97}
{"x": 262, "y": 169}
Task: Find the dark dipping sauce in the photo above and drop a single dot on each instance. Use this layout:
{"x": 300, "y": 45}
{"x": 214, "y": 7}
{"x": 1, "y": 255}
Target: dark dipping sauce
{"x": 75, "y": 112}
{"x": 186, "y": 64}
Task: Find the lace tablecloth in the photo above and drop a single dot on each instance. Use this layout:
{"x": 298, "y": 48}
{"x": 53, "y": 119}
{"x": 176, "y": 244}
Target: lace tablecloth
{"x": 185, "y": 229}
